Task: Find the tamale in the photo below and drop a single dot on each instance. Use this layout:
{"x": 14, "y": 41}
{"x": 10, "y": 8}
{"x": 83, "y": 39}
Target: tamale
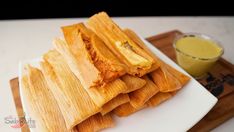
{"x": 96, "y": 123}
{"x": 133, "y": 83}
{"x": 140, "y": 96}
{"x": 178, "y": 75}
{"x": 165, "y": 80}
{"x": 115, "y": 102}
{"x": 86, "y": 54}
{"x": 73, "y": 100}
{"x": 100, "y": 95}
{"x": 126, "y": 110}
{"x": 42, "y": 106}
{"x": 137, "y": 60}
{"x": 158, "y": 99}
{"x": 132, "y": 35}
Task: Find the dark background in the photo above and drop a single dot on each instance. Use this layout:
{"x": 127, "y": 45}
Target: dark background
{"x": 84, "y": 8}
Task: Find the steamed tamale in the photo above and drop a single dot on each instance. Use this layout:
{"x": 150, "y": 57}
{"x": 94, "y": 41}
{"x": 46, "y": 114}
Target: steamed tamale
{"x": 159, "y": 98}
{"x": 165, "y": 80}
{"x": 86, "y": 54}
{"x": 115, "y": 102}
{"x": 178, "y": 75}
{"x": 42, "y": 106}
{"x": 140, "y": 96}
{"x": 137, "y": 60}
{"x": 99, "y": 94}
{"x": 133, "y": 83}
{"x": 126, "y": 110}
{"x": 96, "y": 123}
{"x": 73, "y": 100}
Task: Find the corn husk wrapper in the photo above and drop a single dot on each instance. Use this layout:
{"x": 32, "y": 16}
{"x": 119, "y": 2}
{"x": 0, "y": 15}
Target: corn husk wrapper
{"x": 86, "y": 54}
{"x": 137, "y": 60}
{"x": 165, "y": 80}
{"x": 126, "y": 110}
{"x": 102, "y": 95}
{"x": 73, "y": 100}
{"x": 158, "y": 99}
{"x": 96, "y": 123}
{"x": 140, "y": 96}
{"x": 115, "y": 102}
{"x": 133, "y": 83}
{"x": 42, "y": 105}
{"x": 182, "y": 78}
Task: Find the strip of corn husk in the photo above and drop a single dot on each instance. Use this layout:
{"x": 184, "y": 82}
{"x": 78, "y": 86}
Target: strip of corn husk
{"x": 133, "y": 83}
{"x": 115, "y": 102}
{"x": 86, "y": 54}
{"x": 137, "y": 60}
{"x": 73, "y": 100}
{"x": 158, "y": 99}
{"x": 178, "y": 75}
{"x": 43, "y": 107}
{"x": 96, "y": 123}
{"x": 126, "y": 110}
{"x": 140, "y": 96}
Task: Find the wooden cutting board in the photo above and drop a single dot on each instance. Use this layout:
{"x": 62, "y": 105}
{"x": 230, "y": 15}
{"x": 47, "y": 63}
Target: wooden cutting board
{"x": 220, "y": 82}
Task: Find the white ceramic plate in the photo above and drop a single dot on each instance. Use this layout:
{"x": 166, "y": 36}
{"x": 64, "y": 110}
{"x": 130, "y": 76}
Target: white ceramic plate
{"x": 175, "y": 115}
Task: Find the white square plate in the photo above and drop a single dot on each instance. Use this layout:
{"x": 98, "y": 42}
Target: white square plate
{"x": 175, "y": 115}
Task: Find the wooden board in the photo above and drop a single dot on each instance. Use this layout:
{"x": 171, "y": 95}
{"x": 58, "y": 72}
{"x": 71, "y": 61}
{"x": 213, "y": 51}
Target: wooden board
{"x": 220, "y": 82}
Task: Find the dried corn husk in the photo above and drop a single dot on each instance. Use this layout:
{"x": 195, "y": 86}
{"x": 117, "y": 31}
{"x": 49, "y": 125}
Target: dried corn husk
{"x": 72, "y": 98}
{"x": 43, "y": 107}
{"x": 140, "y": 96}
{"x": 85, "y": 53}
{"x": 126, "y": 110}
{"x": 115, "y": 102}
{"x": 137, "y": 60}
{"x": 133, "y": 83}
{"x": 96, "y": 123}
{"x": 158, "y": 99}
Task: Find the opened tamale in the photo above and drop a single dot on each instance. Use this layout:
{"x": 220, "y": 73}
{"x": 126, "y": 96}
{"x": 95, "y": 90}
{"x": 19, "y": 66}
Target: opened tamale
{"x": 115, "y": 102}
{"x": 137, "y": 60}
{"x": 182, "y": 78}
{"x": 42, "y": 106}
{"x": 86, "y": 54}
{"x": 159, "y": 98}
{"x": 133, "y": 83}
{"x": 140, "y": 96}
{"x": 73, "y": 100}
{"x": 126, "y": 110}
{"x": 96, "y": 123}
{"x": 99, "y": 94}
